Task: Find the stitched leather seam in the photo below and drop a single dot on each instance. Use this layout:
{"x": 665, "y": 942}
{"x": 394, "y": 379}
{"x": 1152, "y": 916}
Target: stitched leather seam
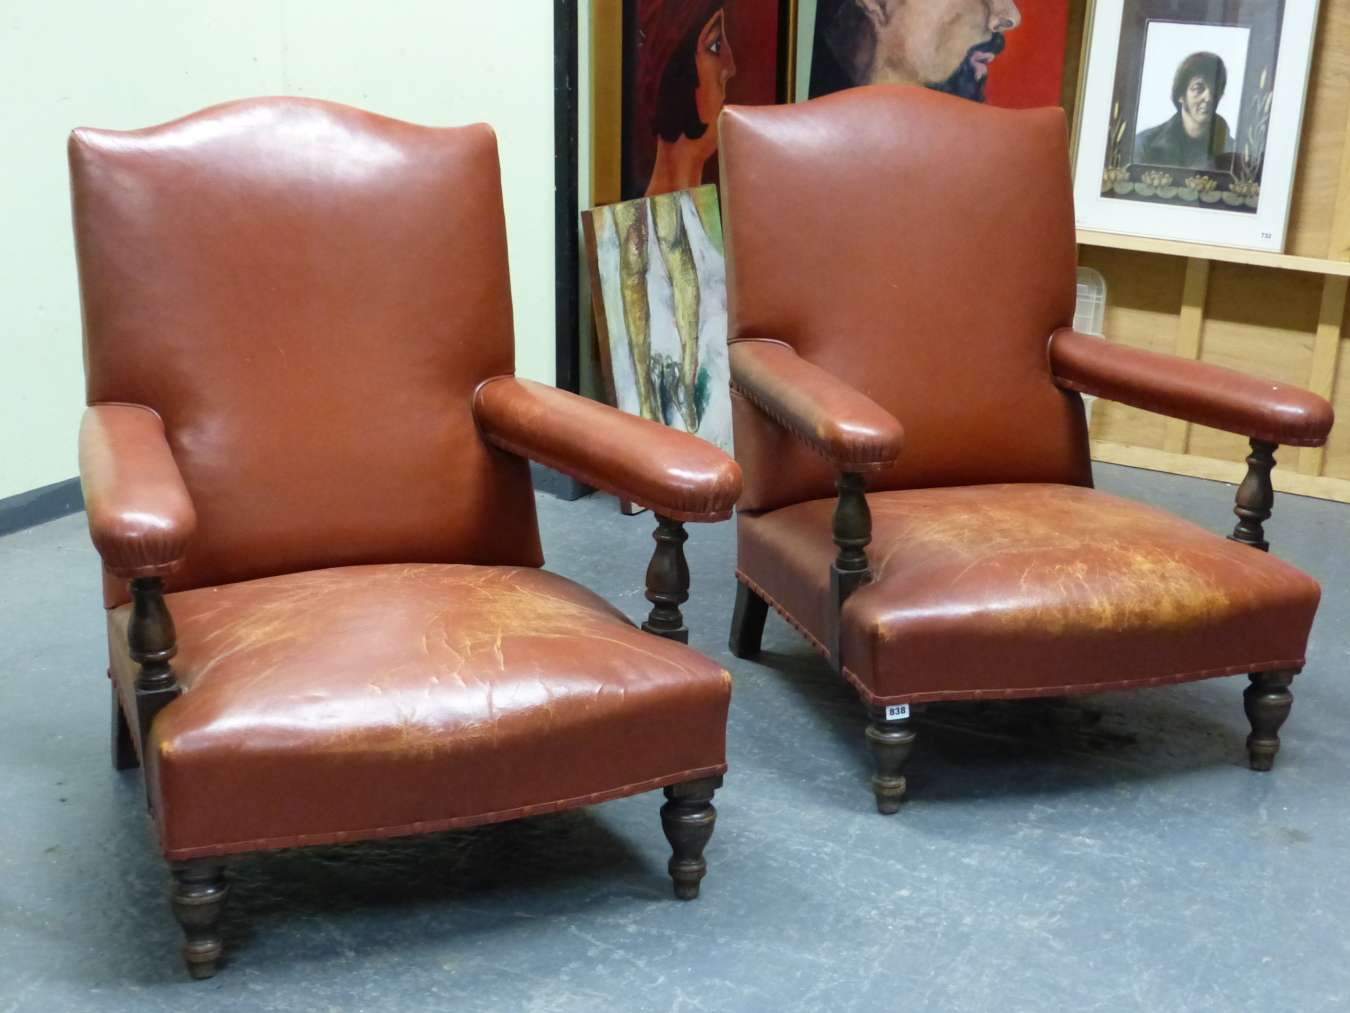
{"x": 819, "y": 447}
{"x": 433, "y": 826}
{"x": 1199, "y": 418}
{"x": 1071, "y": 690}
{"x": 740, "y": 575}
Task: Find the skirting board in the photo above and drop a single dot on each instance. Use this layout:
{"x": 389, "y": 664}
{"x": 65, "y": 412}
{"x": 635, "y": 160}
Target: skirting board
{"x": 37, "y": 506}
{"x": 1285, "y": 479}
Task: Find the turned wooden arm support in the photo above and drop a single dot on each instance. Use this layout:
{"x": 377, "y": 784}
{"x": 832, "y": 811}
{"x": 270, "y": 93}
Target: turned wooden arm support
{"x": 1267, "y": 412}
{"x": 676, "y": 475}
{"x": 840, "y": 423}
{"x": 141, "y": 519}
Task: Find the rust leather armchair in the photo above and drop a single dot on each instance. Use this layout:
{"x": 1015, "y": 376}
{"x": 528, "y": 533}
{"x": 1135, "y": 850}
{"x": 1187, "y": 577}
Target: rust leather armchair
{"x": 918, "y": 490}
{"x": 304, "y": 463}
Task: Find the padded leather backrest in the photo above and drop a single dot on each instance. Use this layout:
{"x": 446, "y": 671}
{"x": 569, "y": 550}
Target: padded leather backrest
{"x": 921, "y": 248}
{"x": 308, "y": 295}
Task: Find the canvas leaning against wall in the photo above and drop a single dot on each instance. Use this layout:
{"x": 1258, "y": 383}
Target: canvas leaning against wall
{"x": 1190, "y": 119}
{"x": 658, "y": 283}
{"x": 1007, "y": 53}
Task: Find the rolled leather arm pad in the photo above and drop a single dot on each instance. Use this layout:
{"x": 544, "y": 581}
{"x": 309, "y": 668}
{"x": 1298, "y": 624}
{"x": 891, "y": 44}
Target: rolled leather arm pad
{"x": 844, "y": 425}
{"x": 1186, "y": 389}
{"x": 140, "y": 514}
{"x": 671, "y": 472}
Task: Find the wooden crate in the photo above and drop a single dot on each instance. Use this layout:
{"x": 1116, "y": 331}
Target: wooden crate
{"x": 1281, "y": 316}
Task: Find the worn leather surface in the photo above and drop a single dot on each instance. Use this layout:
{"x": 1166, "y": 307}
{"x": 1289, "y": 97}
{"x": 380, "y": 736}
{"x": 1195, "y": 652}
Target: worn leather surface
{"x": 1031, "y": 590}
{"x": 920, "y": 248}
{"x": 140, "y": 515}
{"x": 1195, "y": 391}
{"x": 308, "y": 296}
{"x": 671, "y": 472}
{"x": 381, "y": 700}
{"x": 852, "y": 432}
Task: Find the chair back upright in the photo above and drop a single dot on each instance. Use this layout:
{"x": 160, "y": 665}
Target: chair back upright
{"x": 308, "y": 296}
{"x": 921, "y": 248}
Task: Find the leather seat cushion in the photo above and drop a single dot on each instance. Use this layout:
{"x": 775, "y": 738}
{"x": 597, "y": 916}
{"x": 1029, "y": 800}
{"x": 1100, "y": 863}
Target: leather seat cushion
{"x": 1030, "y": 590}
{"x": 373, "y": 701}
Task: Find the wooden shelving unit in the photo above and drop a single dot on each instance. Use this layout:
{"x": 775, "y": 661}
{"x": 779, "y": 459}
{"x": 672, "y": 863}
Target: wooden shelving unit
{"x": 1276, "y": 315}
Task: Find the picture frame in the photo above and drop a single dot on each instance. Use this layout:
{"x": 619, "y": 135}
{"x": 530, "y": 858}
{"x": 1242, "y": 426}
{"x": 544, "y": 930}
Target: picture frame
{"x": 658, "y": 286}
{"x": 1189, "y": 121}
{"x": 633, "y": 45}
{"x": 1019, "y": 66}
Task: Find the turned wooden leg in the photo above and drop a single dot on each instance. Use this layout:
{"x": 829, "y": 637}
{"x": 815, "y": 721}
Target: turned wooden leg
{"x": 152, "y": 643}
{"x": 851, "y": 528}
{"x": 1255, "y": 497}
{"x": 1267, "y": 701}
{"x": 668, "y": 581}
{"x": 123, "y": 749}
{"x": 747, "y": 622}
{"x": 889, "y": 740}
{"x": 198, "y": 898}
{"x": 688, "y": 820}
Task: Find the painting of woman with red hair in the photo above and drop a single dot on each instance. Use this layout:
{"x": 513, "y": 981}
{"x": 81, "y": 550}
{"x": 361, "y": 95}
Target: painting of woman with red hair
{"x": 683, "y": 61}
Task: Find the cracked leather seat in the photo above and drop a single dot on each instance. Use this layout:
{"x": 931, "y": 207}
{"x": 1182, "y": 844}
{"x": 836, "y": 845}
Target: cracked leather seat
{"x": 992, "y": 591}
{"x": 375, "y": 701}
{"x": 306, "y": 465}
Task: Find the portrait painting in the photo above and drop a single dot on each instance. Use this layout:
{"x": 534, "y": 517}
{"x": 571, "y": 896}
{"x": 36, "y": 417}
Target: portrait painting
{"x": 683, "y": 61}
{"x": 1007, "y": 53}
{"x": 1200, "y": 120}
{"x": 658, "y": 288}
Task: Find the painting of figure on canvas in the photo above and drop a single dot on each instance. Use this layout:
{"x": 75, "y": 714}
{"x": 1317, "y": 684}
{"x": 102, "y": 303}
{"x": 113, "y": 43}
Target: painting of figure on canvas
{"x": 658, "y": 284}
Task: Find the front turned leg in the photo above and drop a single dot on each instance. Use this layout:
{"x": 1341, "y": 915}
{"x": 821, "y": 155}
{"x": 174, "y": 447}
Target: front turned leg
{"x": 152, "y": 642}
{"x": 1255, "y": 497}
{"x": 198, "y": 899}
{"x": 1267, "y": 702}
{"x": 668, "y": 581}
{"x": 688, "y": 820}
{"x": 747, "y": 622}
{"x": 889, "y": 739}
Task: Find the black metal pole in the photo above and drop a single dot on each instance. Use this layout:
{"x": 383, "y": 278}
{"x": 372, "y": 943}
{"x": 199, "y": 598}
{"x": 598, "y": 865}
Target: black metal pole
{"x": 565, "y": 196}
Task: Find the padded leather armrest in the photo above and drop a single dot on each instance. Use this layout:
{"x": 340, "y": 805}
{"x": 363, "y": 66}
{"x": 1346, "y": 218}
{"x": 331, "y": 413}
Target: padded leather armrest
{"x": 671, "y": 472}
{"x": 845, "y": 426}
{"x": 140, "y": 514}
{"x": 1195, "y": 391}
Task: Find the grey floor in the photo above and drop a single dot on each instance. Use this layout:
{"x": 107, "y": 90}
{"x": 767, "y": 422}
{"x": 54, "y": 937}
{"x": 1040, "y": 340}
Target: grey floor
{"x": 1105, "y": 853}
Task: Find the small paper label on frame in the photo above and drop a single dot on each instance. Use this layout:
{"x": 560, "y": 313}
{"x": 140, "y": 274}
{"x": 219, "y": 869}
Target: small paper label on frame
{"x": 897, "y": 712}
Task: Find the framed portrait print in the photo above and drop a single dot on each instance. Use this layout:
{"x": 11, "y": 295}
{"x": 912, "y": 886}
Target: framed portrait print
{"x": 683, "y": 60}
{"x": 1189, "y": 122}
{"x": 1007, "y": 53}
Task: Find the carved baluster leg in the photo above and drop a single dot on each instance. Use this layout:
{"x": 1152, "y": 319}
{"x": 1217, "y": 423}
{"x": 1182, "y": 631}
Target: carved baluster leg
{"x": 668, "y": 581}
{"x": 1267, "y": 702}
{"x": 852, "y": 531}
{"x": 198, "y": 898}
{"x": 889, "y": 740}
{"x": 123, "y": 749}
{"x": 152, "y": 643}
{"x": 747, "y": 622}
{"x": 688, "y": 820}
{"x": 1255, "y": 497}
